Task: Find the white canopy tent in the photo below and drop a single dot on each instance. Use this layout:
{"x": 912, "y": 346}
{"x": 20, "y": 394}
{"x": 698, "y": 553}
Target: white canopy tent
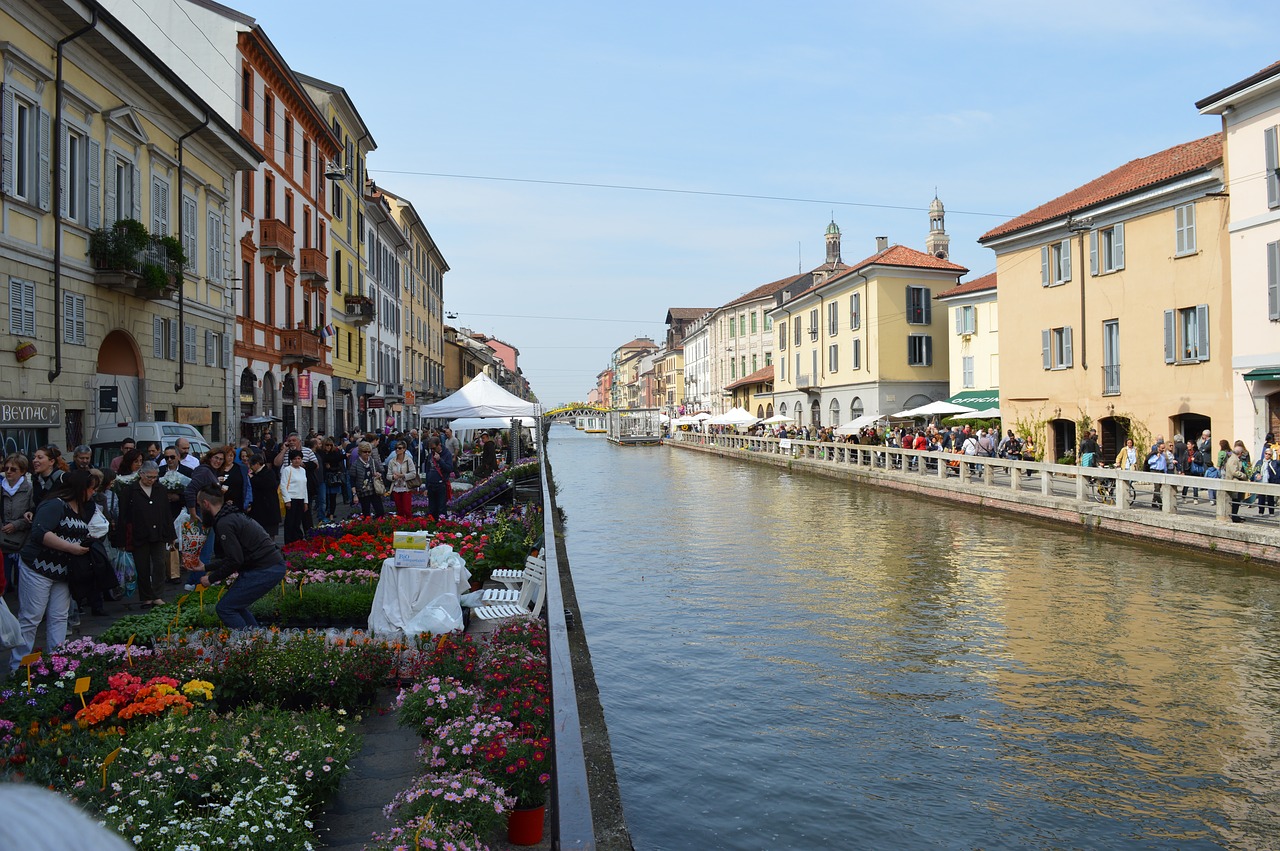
{"x": 481, "y": 397}
{"x": 778, "y": 418}
{"x": 935, "y": 409}
{"x": 988, "y": 414}
{"x": 857, "y": 425}
{"x": 479, "y": 423}
{"x": 738, "y": 417}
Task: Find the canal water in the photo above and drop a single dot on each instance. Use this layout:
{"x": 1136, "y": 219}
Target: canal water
{"x": 788, "y": 661}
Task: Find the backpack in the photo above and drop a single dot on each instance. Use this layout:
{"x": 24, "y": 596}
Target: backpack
{"x": 1197, "y": 457}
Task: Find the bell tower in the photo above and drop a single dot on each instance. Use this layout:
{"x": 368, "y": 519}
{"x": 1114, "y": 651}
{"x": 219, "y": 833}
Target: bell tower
{"x": 938, "y": 243}
{"x": 833, "y": 243}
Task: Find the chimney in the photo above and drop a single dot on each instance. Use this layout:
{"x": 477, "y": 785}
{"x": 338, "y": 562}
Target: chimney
{"x": 882, "y": 243}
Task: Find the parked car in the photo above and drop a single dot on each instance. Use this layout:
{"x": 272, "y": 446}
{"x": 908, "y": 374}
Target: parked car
{"x": 106, "y": 439}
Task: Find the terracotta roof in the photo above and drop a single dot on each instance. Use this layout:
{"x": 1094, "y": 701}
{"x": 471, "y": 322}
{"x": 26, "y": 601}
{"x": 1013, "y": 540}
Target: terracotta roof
{"x": 675, "y": 313}
{"x": 1252, "y": 80}
{"x": 977, "y": 285}
{"x": 639, "y": 343}
{"x": 767, "y": 289}
{"x": 894, "y": 255}
{"x": 1130, "y": 177}
{"x": 765, "y": 374}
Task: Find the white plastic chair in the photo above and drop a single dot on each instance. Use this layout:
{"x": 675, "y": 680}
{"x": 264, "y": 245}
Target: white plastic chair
{"x": 512, "y": 578}
{"x": 532, "y": 594}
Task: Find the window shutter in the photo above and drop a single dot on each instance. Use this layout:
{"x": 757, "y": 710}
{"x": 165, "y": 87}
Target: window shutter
{"x": 157, "y": 337}
{"x": 1065, "y": 246}
{"x": 973, "y": 320}
{"x": 226, "y": 351}
{"x": 80, "y": 321}
{"x": 1093, "y": 252}
{"x": 188, "y": 343}
{"x": 189, "y": 241}
{"x": 1179, "y": 229}
{"x": 1273, "y": 280}
{"x": 209, "y": 351}
{"x": 68, "y": 317}
{"x": 135, "y": 192}
{"x": 173, "y": 339}
{"x": 109, "y": 202}
{"x": 1202, "y": 328}
{"x": 15, "y": 308}
{"x": 1066, "y": 347}
{"x": 1117, "y": 247}
{"x": 926, "y": 296}
{"x": 1044, "y": 266}
{"x": 928, "y": 351}
{"x": 159, "y": 208}
{"x": 1170, "y": 350}
{"x": 93, "y": 170}
{"x": 959, "y": 320}
{"x": 29, "y": 308}
{"x": 1046, "y": 340}
{"x": 1271, "y": 143}
{"x": 213, "y": 251}
{"x": 7, "y": 120}
{"x": 44, "y": 160}
{"x": 64, "y": 144}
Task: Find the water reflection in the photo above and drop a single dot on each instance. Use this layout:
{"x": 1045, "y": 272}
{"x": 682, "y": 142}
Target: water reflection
{"x": 792, "y": 662}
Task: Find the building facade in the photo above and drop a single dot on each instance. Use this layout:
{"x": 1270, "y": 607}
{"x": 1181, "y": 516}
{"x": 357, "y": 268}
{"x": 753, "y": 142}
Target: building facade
{"x": 383, "y": 399}
{"x": 99, "y": 167}
{"x": 975, "y": 342}
{"x": 1127, "y": 281}
{"x": 1250, "y": 111}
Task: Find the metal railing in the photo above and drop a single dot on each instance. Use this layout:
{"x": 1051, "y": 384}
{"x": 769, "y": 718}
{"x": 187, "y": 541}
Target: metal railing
{"x": 1111, "y": 378}
{"x": 1124, "y": 491}
{"x": 572, "y": 825}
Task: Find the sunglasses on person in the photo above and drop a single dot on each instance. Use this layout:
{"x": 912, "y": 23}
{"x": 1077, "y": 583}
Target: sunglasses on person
{"x": 171, "y": 457}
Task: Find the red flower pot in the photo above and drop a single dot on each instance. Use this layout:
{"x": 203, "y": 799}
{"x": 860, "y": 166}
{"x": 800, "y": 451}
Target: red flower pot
{"x": 524, "y": 825}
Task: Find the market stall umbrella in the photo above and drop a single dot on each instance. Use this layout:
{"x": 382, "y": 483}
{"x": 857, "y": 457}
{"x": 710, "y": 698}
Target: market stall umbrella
{"x": 778, "y": 418}
{"x": 857, "y": 425}
{"x": 935, "y": 409}
{"x": 988, "y": 414}
{"x": 735, "y": 417}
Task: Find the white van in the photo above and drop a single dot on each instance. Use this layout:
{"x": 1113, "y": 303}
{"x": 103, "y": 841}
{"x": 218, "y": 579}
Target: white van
{"x": 106, "y": 439}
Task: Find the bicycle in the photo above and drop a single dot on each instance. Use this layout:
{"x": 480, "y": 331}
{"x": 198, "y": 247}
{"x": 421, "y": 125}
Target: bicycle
{"x": 1104, "y": 490}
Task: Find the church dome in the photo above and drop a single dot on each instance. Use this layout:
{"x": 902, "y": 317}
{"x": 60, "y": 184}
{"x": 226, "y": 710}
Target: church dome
{"x": 935, "y": 206}
{"x": 833, "y": 229}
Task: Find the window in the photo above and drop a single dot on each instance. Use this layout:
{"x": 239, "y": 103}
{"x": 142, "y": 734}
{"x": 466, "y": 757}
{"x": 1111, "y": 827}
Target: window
{"x": 288, "y": 209}
{"x": 246, "y": 90}
{"x": 268, "y": 196}
{"x": 246, "y": 192}
{"x": 855, "y": 311}
{"x": 1106, "y": 249}
{"x": 1185, "y": 229}
{"x": 1273, "y": 280}
{"x": 268, "y": 114}
{"x": 732, "y": 326}
{"x": 855, "y": 358}
{"x": 213, "y": 247}
{"x": 753, "y": 322}
{"x": 966, "y": 319}
{"x": 833, "y": 357}
{"x": 744, "y": 366}
{"x": 288, "y": 139}
{"x": 189, "y": 242}
{"x": 795, "y": 332}
{"x": 26, "y": 148}
{"x": 768, "y": 358}
{"x": 81, "y": 167}
{"x": 966, "y": 371}
{"x": 268, "y": 299}
{"x": 919, "y": 310}
{"x": 159, "y": 207}
{"x": 1272, "y": 145}
{"x": 1056, "y": 346}
{"x": 782, "y": 369}
{"x": 733, "y": 368}
{"x": 1055, "y": 263}
{"x": 164, "y": 338}
{"x": 188, "y": 343}
{"x": 813, "y": 324}
{"x": 1111, "y": 356}
{"x": 919, "y": 350}
{"x": 833, "y": 318}
{"x": 22, "y": 307}
{"x": 754, "y": 362}
{"x": 122, "y": 190}
{"x": 73, "y": 319}
{"x": 768, "y": 322}
{"x": 1186, "y": 334}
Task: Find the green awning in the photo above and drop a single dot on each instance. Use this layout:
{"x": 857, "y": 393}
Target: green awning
{"x": 1265, "y": 373}
{"x": 979, "y": 400}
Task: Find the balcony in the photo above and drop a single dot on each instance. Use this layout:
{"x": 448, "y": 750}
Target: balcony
{"x": 276, "y": 241}
{"x": 1111, "y": 379}
{"x": 360, "y": 310}
{"x": 806, "y": 382}
{"x": 149, "y": 272}
{"x": 313, "y": 266}
{"x": 300, "y": 347}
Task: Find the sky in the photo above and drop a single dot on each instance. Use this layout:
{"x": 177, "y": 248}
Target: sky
{"x": 484, "y": 113}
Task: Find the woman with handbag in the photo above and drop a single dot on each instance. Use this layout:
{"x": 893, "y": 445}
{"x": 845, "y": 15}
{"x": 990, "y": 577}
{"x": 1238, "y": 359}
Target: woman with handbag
{"x": 57, "y": 543}
{"x": 403, "y": 473}
{"x": 146, "y": 530}
{"x": 17, "y": 499}
{"x": 367, "y": 481}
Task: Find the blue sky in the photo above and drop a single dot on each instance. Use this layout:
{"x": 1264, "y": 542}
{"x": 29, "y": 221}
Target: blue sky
{"x": 1000, "y": 106}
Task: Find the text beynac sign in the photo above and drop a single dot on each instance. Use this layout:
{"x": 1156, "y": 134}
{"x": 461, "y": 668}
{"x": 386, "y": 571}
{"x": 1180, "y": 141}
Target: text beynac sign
{"x": 18, "y": 412}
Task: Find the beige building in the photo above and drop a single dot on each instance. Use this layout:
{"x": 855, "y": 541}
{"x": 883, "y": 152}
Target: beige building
{"x": 974, "y": 326}
{"x": 1250, "y": 111}
{"x": 865, "y": 341}
{"x": 107, "y": 172}
{"x": 1118, "y": 305}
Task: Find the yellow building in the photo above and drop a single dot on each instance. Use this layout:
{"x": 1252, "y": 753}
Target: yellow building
{"x": 1116, "y": 305}
{"x": 754, "y": 394}
{"x": 865, "y": 341}
{"x": 975, "y": 342}
{"x": 98, "y": 166}
{"x": 422, "y": 302}
{"x": 352, "y": 308}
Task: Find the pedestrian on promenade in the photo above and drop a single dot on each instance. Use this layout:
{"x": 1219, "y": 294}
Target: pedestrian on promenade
{"x": 293, "y": 490}
{"x": 265, "y": 485}
{"x": 1089, "y": 449}
{"x": 243, "y": 549}
{"x": 1269, "y": 474}
{"x": 1158, "y": 461}
{"x": 1234, "y": 470}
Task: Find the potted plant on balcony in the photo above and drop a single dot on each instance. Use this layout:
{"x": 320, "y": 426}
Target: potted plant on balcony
{"x": 116, "y": 248}
{"x": 162, "y": 270}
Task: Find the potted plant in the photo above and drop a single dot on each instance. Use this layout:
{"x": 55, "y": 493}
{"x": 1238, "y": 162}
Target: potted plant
{"x": 522, "y": 765}
{"x": 116, "y": 248}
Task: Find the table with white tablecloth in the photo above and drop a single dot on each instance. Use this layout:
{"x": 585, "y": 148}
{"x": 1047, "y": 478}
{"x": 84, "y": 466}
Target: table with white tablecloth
{"x": 410, "y": 600}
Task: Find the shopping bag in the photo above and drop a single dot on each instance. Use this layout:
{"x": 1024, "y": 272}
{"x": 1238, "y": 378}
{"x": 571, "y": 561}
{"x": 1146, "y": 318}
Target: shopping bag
{"x": 126, "y": 571}
{"x": 10, "y": 630}
{"x": 175, "y": 564}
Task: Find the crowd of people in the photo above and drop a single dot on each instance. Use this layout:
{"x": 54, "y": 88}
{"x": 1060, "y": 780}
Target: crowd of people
{"x": 64, "y": 524}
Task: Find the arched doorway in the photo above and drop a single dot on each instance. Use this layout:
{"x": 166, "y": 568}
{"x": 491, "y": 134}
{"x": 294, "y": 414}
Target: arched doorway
{"x": 815, "y": 414}
{"x": 768, "y": 411}
{"x": 288, "y": 401}
{"x": 120, "y": 367}
{"x": 1191, "y": 425}
{"x": 782, "y": 409}
{"x": 1063, "y": 433}
{"x": 269, "y": 406}
{"x": 835, "y": 413}
{"x": 248, "y": 400}
{"x": 759, "y": 412}
{"x": 322, "y": 407}
{"x": 1273, "y": 413}
{"x": 1112, "y": 433}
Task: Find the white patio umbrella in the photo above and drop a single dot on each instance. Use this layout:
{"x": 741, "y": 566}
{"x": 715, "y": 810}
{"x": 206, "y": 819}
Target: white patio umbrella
{"x": 778, "y": 418}
{"x": 935, "y": 409}
{"x": 858, "y": 424}
{"x": 735, "y": 417}
{"x": 989, "y": 414}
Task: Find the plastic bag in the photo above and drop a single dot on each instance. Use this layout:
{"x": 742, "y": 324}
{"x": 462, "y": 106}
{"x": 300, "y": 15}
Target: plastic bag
{"x": 99, "y": 525}
{"x": 442, "y": 555}
{"x": 10, "y": 630}
{"x": 126, "y": 571}
{"x": 441, "y": 615}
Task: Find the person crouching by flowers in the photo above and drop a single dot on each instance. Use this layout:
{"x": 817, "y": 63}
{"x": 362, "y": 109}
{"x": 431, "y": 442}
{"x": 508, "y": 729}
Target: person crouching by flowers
{"x": 58, "y": 542}
{"x": 242, "y": 548}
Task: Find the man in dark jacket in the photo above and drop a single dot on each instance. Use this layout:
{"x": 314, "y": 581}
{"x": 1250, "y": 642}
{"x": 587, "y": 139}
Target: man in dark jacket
{"x": 241, "y": 547}
{"x": 438, "y": 466}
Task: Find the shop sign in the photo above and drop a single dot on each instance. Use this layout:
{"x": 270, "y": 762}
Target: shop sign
{"x": 377, "y": 402}
{"x": 192, "y": 415}
{"x": 304, "y": 386}
{"x": 19, "y": 412}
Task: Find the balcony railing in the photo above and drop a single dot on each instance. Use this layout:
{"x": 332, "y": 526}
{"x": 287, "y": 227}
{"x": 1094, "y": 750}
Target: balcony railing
{"x": 148, "y": 273}
{"x": 313, "y": 265}
{"x": 1110, "y": 379}
{"x": 804, "y": 382}
{"x": 301, "y": 347}
{"x": 277, "y": 240}
{"x": 359, "y": 309}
